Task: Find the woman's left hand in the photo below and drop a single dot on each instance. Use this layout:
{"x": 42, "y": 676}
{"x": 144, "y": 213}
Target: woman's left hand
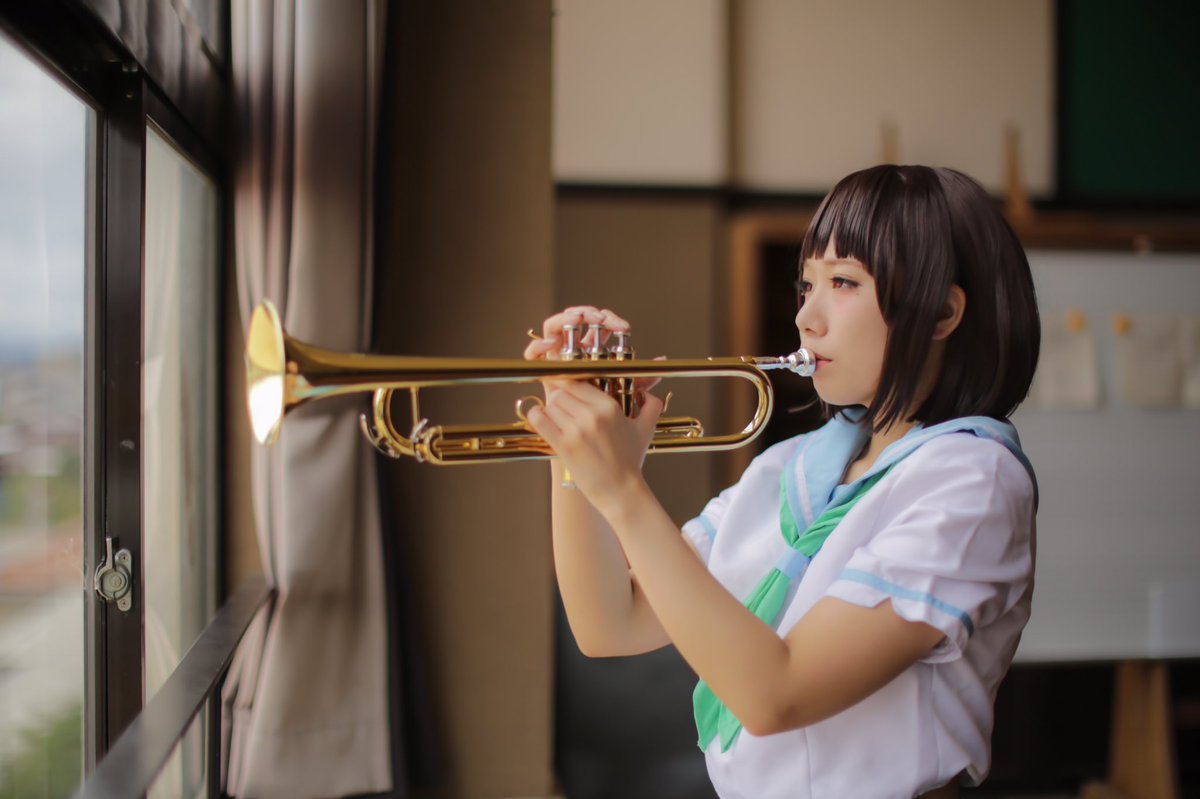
{"x": 601, "y": 447}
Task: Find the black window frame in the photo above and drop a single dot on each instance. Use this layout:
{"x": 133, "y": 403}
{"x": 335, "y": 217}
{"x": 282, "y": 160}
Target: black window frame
{"x": 117, "y": 57}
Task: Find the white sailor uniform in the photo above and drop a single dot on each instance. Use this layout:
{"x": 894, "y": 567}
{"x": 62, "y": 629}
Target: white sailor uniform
{"x": 947, "y": 536}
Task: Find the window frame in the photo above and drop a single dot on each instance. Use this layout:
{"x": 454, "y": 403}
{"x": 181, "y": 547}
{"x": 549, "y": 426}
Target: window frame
{"x": 90, "y": 54}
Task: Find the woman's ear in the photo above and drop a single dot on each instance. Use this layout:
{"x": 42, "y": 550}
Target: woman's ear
{"x": 952, "y": 313}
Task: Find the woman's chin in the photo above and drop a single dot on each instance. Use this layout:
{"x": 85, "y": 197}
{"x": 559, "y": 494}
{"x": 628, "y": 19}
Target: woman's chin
{"x": 830, "y": 396}
{"x": 839, "y": 399}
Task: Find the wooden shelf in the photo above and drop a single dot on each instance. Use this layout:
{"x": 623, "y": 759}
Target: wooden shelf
{"x": 1071, "y": 230}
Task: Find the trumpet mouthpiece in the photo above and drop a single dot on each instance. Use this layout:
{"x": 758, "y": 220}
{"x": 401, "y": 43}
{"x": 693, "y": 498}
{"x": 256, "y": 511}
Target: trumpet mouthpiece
{"x": 801, "y": 362}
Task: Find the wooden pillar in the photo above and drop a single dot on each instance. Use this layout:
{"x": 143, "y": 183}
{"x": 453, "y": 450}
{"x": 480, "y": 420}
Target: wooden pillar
{"x": 465, "y": 242}
{"x": 1142, "y": 750}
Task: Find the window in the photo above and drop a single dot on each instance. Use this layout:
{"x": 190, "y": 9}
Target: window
{"x": 46, "y": 138}
{"x": 179, "y": 440}
{"x": 111, "y": 249}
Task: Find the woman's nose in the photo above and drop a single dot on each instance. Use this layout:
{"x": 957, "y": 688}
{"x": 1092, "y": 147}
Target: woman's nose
{"x": 808, "y": 318}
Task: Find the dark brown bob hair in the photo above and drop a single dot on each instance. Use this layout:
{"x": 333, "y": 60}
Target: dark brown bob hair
{"x": 919, "y": 230}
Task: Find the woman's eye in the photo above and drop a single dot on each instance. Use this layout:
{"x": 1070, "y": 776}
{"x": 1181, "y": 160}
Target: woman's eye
{"x": 844, "y": 282}
{"x": 803, "y": 287}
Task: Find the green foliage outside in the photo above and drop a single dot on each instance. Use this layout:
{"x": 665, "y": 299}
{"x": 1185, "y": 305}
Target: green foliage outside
{"x": 21, "y": 493}
{"x": 50, "y": 765}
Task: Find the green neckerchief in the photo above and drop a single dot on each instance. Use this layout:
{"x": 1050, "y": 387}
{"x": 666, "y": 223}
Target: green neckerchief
{"x": 765, "y": 602}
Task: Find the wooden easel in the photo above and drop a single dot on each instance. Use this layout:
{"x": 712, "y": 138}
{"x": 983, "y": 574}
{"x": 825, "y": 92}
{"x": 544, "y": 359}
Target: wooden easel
{"x": 1141, "y": 757}
{"x": 1017, "y": 208}
{"x": 1141, "y": 760}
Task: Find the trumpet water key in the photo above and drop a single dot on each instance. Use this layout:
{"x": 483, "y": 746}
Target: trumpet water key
{"x": 283, "y": 373}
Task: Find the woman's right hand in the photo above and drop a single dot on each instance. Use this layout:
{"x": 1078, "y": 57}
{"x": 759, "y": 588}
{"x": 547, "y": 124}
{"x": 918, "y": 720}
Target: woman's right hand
{"x": 550, "y": 344}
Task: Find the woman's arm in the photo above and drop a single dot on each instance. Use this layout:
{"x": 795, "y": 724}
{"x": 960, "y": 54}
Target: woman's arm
{"x": 836, "y": 656}
{"x": 605, "y": 606}
{"x": 606, "y": 609}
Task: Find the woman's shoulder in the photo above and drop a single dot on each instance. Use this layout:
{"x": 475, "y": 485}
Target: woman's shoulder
{"x": 965, "y": 448}
{"x": 967, "y": 460}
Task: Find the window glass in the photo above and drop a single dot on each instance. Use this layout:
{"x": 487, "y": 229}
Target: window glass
{"x": 45, "y": 141}
{"x": 185, "y": 776}
{"x": 178, "y": 406}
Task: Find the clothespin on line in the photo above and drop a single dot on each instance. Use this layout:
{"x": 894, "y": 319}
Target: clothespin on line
{"x": 1016, "y": 204}
{"x": 889, "y": 142}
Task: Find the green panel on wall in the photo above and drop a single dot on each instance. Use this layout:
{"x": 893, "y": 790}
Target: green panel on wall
{"x": 1130, "y": 117}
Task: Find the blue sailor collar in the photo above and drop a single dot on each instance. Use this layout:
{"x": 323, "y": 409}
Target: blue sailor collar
{"x": 815, "y": 472}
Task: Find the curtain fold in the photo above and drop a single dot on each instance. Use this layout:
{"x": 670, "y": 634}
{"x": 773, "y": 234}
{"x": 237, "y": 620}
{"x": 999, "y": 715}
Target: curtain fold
{"x": 305, "y": 702}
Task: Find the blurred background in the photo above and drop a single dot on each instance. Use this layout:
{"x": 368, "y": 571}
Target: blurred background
{"x": 661, "y": 158}
{"x": 691, "y": 146}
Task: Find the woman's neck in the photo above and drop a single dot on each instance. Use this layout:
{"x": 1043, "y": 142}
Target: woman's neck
{"x": 879, "y": 441}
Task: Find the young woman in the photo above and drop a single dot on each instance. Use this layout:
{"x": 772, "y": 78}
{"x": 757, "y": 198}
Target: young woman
{"x": 853, "y": 602}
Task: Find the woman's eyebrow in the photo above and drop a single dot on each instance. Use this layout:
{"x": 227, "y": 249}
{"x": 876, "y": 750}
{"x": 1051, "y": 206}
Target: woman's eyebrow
{"x": 834, "y": 262}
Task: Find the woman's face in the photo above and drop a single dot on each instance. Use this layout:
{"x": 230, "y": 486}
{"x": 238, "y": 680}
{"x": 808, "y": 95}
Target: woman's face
{"x": 840, "y": 322}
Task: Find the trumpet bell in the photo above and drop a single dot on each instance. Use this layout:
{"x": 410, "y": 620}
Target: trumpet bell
{"x": 266, "y": 368}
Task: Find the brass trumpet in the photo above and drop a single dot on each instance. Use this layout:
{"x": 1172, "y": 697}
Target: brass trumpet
{"x": 283, "y": 373}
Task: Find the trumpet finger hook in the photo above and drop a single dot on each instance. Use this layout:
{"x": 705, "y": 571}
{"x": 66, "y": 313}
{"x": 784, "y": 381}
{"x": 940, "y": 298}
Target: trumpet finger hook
{"x": 525, "y": 403}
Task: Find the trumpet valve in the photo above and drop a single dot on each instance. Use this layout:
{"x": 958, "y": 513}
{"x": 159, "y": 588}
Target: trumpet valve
{"x": 623, "y": 387}
{"x": 621, "y": 351}
{"x": 570, "y": 349}
{"x": 595, "y": 350}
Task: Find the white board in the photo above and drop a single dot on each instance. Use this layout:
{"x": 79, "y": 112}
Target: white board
{"x": 1118, "y": 569}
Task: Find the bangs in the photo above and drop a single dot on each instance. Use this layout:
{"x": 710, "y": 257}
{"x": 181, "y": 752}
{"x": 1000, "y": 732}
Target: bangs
{"x": 894, "y": 220}
{"x": 857, "y": 216}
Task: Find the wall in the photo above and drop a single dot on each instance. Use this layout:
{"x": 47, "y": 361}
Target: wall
{"x": 465, "y": 245}
{"x": 789, "y": 95}
{"x": 640, "y": 91}
{"x": 817, "y": 83}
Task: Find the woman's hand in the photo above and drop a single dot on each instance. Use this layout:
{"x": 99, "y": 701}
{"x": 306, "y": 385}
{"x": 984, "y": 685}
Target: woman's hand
{"x": 549, "y": 346}
{"x": 551, "y": 342}
{"x": 601, "y": 447}
{"x": 596, "y": 443}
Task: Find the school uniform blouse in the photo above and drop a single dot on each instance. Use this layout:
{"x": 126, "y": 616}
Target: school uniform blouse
{"x": 947, "y": 536}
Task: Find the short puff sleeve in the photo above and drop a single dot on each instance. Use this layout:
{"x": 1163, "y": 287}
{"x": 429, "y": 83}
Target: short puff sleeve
{"x": 954, "y": 541}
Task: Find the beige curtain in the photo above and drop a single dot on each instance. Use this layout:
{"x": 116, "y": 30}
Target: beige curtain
{"x": 306, "y": 698}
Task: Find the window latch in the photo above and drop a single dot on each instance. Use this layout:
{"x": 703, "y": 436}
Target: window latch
{"x": 114, "y": 576}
